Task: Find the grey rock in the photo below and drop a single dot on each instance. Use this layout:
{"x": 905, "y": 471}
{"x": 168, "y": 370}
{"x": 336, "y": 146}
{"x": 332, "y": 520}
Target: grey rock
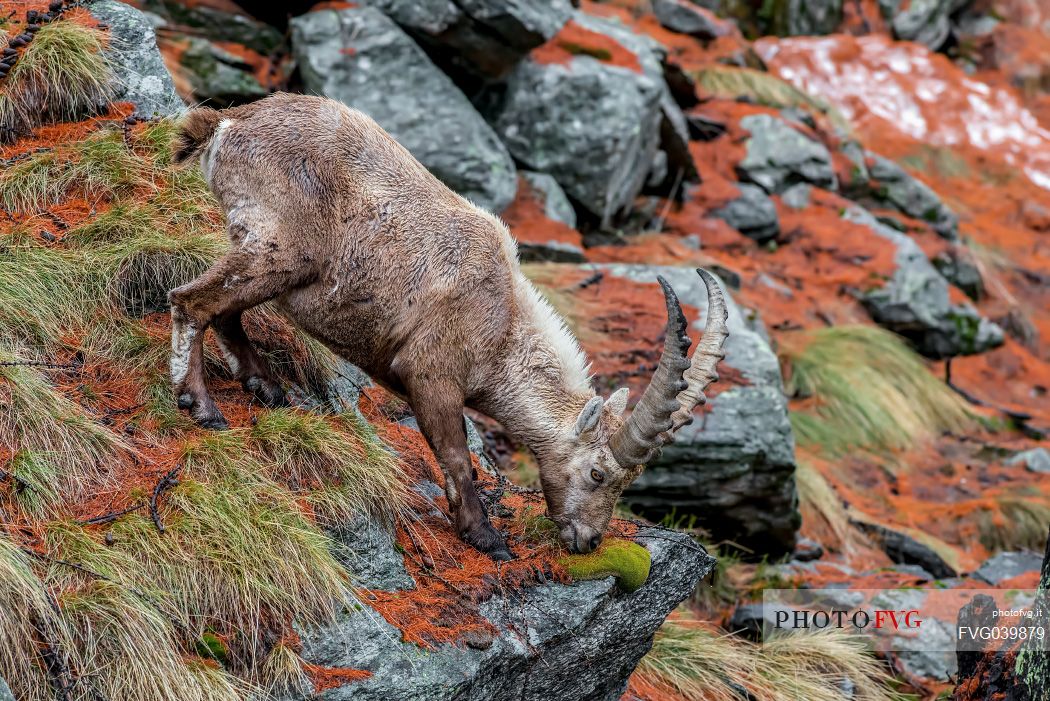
{"x": 387, "y": 76}
{"x": 806, "y": 17}
{"x": 779, "y": 156}
{"x": 217, "y": 76}
{"x": 958, "y": 267}
{"x": 734, "y": 468}
{"x": 132, "y": 51}
{"x": 859, "y": 174}
{"x": 1007, "y": 565}
{"x": 928, "y": 653}
{"x": 914, "y": 302}
{"x": 556, "y": 204}
{"x": 484, "y": 37}
{"x": 554, "y": 641}
{"x": 686, "y": 18}
{"x": 894, "y": 186}
{"x": 5, "y": 692}
{"x": 592, "y": 126}
{"x": 797, "y": 196}
{"x": 752, "y": 214}
{"x": 1034, "y": 460}
{"x": 366, "y": 549}
{"x": 211, "y": 23}
{"x": 903, "y": 549}
{"x": 915, "y": 571}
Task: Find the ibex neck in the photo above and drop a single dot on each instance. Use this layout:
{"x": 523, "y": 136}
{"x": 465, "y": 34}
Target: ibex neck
{"x": 542, "y": 382}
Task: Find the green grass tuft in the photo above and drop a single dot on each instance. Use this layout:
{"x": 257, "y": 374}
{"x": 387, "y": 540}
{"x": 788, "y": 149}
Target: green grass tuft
{"x": 623, "y": 559}
{"x": 868, "y": 390}
{"x": 1020, "y": 524}
{"x": 61, "y": 75}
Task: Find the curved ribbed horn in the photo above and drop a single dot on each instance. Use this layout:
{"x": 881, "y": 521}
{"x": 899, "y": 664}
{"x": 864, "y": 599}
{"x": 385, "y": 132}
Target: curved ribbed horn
{"x": 704, "y": 368}
{"x": 677, "y": 385}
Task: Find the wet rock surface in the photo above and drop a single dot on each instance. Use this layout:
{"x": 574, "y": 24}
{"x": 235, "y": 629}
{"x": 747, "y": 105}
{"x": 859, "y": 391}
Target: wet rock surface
{"x": 779, "y": 155}
{"x": 544, "y": 646}
{"x": 362, "y": 58}
{"x": 902, "y": 548}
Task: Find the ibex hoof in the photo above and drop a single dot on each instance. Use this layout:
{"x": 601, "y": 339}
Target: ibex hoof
{"x": 267, "y": 392}
{"x": 488, "y": 540}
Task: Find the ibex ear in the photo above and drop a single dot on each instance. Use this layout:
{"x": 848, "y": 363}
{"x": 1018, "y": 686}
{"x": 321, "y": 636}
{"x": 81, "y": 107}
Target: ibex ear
{"x": 617, "y": 401}
{"x": 588, "y": 418}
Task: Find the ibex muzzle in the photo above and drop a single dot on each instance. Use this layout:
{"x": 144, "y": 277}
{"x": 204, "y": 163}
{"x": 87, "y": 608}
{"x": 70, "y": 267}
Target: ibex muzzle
{"x": 361, "y": 247}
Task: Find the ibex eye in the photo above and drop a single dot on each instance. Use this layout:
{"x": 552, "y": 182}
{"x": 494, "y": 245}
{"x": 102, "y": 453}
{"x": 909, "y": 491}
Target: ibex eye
{"x": 598, "y": 476}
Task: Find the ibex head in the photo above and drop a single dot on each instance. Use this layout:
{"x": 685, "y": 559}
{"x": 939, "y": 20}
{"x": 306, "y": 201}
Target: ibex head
{"x": 604, "y": 453}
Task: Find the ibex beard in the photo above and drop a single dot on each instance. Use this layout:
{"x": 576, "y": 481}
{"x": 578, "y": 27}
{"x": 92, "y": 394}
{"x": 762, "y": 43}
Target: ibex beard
{"x": 360, "y": 246}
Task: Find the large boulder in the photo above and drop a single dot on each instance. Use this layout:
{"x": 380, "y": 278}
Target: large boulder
{"x": 480, "y": 36}
{"x": 594, "y": 117}
{"x": 132, "y": 51}
{"x": 734, "y": 466}
{"x": 915, "y": 301}
{"x": 779, "y": 155}
{"x": 360, "y": 57}
{"x": 552, "y": 641}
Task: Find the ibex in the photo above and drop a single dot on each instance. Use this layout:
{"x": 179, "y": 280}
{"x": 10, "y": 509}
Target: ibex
{"x": 362, "y": 248}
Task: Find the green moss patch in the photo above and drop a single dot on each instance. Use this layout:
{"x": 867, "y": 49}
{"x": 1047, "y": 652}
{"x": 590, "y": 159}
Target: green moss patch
{"x": 623, "y": 559}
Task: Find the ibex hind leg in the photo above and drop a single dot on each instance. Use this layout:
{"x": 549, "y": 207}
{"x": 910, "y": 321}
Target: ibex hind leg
{"x": 237, "y": 282}
{"x": 439, "y": 410}
{"x": 245, "y": 363}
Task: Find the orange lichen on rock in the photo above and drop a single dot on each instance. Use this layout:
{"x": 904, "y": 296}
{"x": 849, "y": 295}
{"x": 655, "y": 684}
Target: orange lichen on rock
{"x": 574, "y": 40}
{"x": 325, "y": 678}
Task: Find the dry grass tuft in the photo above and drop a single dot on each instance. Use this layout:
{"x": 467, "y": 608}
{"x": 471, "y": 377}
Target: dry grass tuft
{"x": 822, "y": 508}
{"x": 62, "y": 75}
{"x": 691, "y": 661}
{"x": 109, "y": 623}
{"x": 62, "y": 449}
{"x": 866, "y": 389}
{"x": 26, "y": 615}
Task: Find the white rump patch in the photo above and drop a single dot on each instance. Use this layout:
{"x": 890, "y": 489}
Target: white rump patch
{"x": 208, "y": 156}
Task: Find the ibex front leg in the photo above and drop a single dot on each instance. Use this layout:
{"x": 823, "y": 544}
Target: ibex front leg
{"x": 438, "y": 407}
{"x": 237, "y": 282}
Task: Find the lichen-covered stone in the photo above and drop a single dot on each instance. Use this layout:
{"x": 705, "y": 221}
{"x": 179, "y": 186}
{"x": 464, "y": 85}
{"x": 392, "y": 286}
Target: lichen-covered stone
{"x": 778, "y": 156}
{"x": 5, "y": 692}
{"x": 360, "y": 57}
{"x": 915, "y": 302}
{"x": 218, "y": 77}
{"x": 890, "y": 184}
{"x": 132, "y": 51}
{"x": 924, "y": 21}
{"x": 554, "y": 641}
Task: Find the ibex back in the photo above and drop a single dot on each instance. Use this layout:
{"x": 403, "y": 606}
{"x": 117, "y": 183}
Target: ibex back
{"x": 362, "y": 248}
